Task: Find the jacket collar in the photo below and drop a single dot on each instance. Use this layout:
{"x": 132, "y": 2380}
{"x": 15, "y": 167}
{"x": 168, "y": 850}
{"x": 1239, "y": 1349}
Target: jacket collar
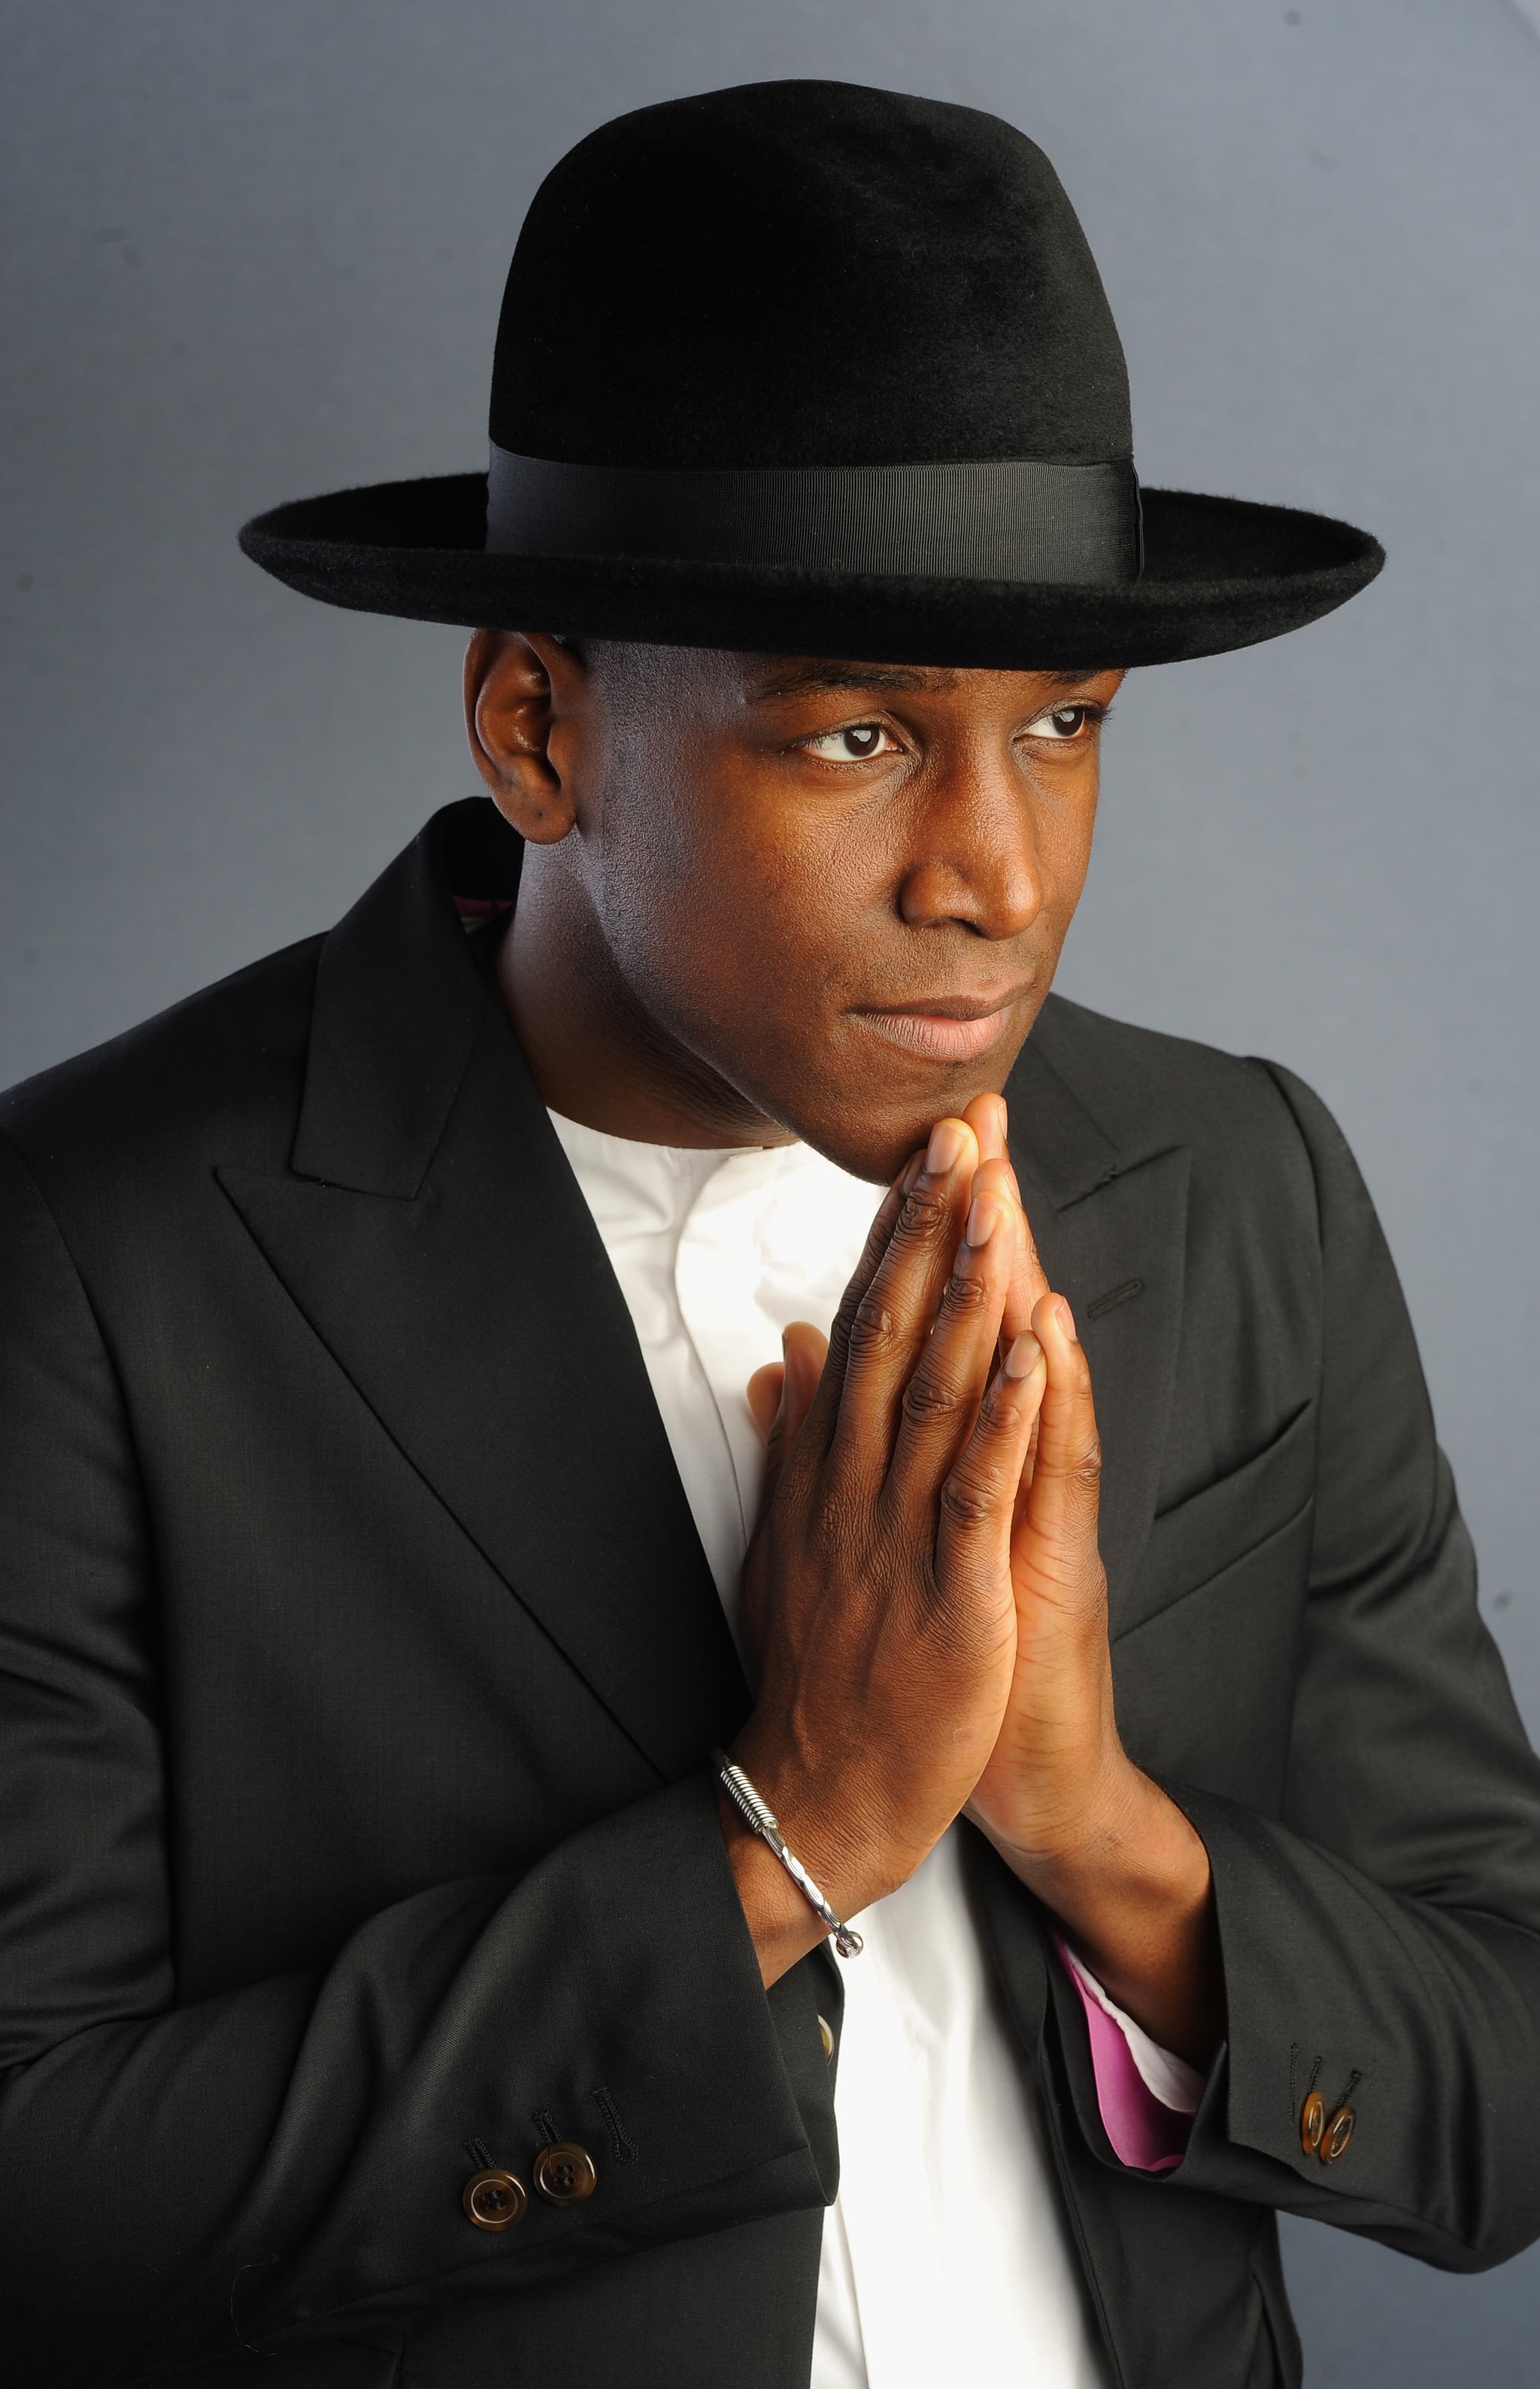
{"x": 399, "y": 1006}
{"x": 430, "y": 1230}
{"x": 1108, "y": 1214}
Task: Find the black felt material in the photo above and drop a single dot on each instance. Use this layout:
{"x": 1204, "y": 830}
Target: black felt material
{"x": 796, "y": 275}
{"x": 1218, "y": 574}
{"x": 806, "y": 273}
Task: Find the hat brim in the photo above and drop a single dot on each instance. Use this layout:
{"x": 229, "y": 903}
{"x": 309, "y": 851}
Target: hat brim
{"x": 1218, "y": 574}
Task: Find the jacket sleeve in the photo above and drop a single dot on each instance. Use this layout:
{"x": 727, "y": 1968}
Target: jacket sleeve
{"x": 1380, "y": 1941}
{"x": 179, "y": 2183}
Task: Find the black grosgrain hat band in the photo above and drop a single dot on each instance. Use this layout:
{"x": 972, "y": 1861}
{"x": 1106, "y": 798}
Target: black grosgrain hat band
{"x": 992, "y": 520}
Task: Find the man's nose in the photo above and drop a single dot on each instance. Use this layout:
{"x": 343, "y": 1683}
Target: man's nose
{"x": 974, "y": 857}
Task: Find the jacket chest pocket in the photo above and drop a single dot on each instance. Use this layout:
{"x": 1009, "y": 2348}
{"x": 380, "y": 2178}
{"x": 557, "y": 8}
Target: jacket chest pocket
{"x": 1205, "y": 1645}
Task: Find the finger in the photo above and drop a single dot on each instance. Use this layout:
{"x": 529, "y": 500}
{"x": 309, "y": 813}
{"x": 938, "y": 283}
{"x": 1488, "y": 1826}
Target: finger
{"x": 941, "y": 1400}
{"x": 1028, "y": 1283}
{"x": 779, "y": 1395}
{"x": 1057, "y": 1531}
{"x": 978, "y": 1496}
{"x": 987, "y": 1117}
{"x": 991, "y": 1121}
{"x": 767, "y": 1399}
{"x": 825, "y": 1406}
{"x": 1023, "y": 1491}
{"x": 764, "y": 1389}
{"x": 806, "y": 1348}
{"x": 886, "y": 1332}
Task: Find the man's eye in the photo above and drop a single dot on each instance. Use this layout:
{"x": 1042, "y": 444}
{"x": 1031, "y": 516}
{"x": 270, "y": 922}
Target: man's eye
{"x": 1065, "y": 722}
{"x": 856, "y": 745}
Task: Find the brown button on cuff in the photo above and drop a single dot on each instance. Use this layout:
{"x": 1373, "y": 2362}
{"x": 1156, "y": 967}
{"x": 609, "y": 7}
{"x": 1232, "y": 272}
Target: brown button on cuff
{"x": 1311, "y": 2123}
{"x": 827, "y": 2038}
{"x": 494, "y": 2200}
{"x": 1338, "y": 2131}
{"x": 564, "y": 2174}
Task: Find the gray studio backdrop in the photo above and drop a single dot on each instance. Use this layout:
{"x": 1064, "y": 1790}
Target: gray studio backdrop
{"x": 254, "y": 251}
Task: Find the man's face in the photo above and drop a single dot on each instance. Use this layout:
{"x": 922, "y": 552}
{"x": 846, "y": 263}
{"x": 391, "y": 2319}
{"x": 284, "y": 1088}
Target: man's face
{"x": 840, "y": 888}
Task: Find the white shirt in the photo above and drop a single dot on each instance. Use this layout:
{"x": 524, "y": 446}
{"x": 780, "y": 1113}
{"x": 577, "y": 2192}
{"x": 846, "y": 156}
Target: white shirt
{"x": 947, "y": 2255}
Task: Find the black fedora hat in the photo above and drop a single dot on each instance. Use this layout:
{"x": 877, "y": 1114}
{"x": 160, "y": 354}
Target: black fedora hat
{"x": 806, "y": 367}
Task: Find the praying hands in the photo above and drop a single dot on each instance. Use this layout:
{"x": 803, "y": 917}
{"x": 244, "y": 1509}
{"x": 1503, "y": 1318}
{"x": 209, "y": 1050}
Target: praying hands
{"x": 929, "y": 1606}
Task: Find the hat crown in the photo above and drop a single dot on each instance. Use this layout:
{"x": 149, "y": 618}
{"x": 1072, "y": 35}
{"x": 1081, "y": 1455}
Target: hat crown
{"x": 795, "y": 273}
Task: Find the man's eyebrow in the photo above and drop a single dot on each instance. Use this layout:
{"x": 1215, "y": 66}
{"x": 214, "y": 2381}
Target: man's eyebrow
{"x": 814, "y": 679}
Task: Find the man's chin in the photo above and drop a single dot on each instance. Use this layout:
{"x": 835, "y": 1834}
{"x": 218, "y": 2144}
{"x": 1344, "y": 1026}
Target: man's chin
{"x": 872, "y": 1132}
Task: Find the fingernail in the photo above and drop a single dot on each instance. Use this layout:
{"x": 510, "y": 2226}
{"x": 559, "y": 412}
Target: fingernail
{"x": 945, "y": 1149}
{"x": 982, "y": 1220}
{"x": 1066, "y": 1320}
{"x": 1023, "y": 1356}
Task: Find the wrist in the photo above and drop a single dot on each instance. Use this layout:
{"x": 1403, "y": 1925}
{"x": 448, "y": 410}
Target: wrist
{"x": 782, "y": 1925}
{"x": 1134, "y": 1851}
{"x": 1085, "y": 1830}
{"x": 1132, "y": 1892}
{"x": 822, "y": 1815}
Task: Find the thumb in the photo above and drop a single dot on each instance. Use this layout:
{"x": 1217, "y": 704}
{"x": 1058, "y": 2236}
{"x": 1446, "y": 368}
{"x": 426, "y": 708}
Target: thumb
{"x": 781, "y": 1394}
{"x": 765, "y": 1389}
{"x": 806, "y": 1349}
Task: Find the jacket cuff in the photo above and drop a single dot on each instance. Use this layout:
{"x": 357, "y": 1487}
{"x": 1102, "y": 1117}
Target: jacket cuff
{"x": 614, "y": 1994}
{"x": 1145, "y": 2130}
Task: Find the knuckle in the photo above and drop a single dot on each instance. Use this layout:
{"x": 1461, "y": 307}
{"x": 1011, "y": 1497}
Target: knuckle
{"x": 869, "y": 1327}
{"x": 923, "y": 1217}
{"x": 1082, "y": 1491}
{"x": 927, "y": 1397}
{"x": 968, "y": 1500}
{"x": 965, "y": 1294}
{"x": 1078, "y": 1468}
{"x": 997, "y": 1409}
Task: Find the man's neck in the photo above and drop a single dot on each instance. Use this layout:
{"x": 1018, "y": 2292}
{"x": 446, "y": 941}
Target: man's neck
{"x": 596, "y": 1055}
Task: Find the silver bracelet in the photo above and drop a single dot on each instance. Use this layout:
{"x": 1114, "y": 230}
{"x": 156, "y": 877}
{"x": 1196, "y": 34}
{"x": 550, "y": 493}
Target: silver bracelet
{"x": 754, "y": 1812}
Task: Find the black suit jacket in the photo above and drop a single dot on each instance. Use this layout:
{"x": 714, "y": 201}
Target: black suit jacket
{"x": 357, "y": 1659}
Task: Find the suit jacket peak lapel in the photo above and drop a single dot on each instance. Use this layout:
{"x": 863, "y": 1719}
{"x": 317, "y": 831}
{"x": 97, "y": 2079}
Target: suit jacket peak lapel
{"x": 399, "y": 1003}
{"x": 475, "y": 1309}
{"x": 1055, "y": 1138}
{"x": 1113, "y": 1221}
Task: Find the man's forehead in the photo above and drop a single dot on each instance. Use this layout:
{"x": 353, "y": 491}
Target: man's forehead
{"x": 672, "y": 680}
{"x": 766, "y": 678}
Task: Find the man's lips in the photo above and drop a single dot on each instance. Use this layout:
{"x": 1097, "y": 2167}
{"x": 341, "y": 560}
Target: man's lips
{"x": 943, "y": 1029}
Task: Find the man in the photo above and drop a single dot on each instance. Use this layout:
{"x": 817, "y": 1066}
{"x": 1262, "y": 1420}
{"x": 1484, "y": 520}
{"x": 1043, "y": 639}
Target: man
{"x": 405, "y": 1978}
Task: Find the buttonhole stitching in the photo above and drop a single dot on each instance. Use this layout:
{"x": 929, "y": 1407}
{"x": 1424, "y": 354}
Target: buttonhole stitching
{"x": 622, "y": 2147}
{"x": 1113, "y": 1297}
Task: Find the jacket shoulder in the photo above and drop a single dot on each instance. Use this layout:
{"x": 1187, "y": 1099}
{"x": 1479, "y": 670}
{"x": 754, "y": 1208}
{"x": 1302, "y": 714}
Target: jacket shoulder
{"x": 1149, "y": 1090}
{"x": 219, "y": 1073}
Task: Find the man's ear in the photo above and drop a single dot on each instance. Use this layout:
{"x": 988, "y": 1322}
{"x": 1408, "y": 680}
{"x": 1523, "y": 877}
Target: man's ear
{"x": 522, "y": 689}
